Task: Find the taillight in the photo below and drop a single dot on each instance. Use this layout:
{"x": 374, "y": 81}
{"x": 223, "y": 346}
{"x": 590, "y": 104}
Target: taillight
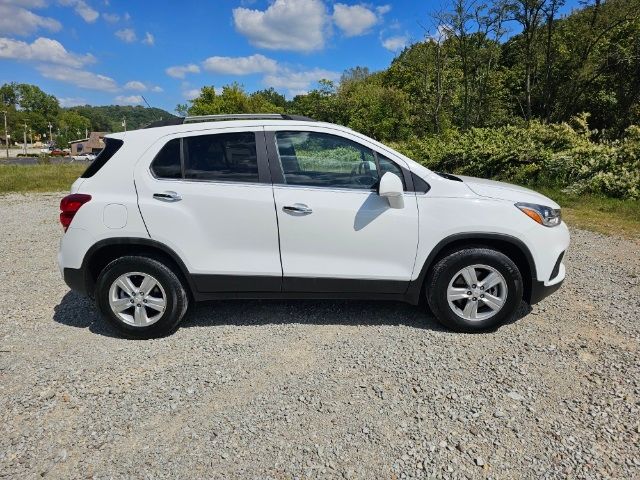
{"x": 69, "y": 206}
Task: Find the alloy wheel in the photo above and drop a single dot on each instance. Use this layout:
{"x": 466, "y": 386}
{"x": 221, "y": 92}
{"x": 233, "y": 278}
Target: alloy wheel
{"x": 138, "y": 299}
{"x": 477, "y": 292}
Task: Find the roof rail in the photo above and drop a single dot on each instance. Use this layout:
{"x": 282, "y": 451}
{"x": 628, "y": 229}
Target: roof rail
{"x": 246, "y": 116}
{"x": 166, "y": 123}
{"x": 226, "y": 117}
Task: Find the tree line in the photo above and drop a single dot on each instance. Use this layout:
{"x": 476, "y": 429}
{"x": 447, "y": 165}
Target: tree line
{"x": 31, "y": 111}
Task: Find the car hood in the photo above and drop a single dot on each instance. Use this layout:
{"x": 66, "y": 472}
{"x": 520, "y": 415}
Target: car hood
{"x": 506, "y": 191}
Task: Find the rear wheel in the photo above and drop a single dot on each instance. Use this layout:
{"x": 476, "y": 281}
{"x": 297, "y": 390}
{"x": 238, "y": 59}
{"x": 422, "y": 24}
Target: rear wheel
{"x": 141, "y": 297}
{"x": 474, "y": 289}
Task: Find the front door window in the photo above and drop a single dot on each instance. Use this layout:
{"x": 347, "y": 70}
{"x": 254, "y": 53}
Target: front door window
{"x": 323, "y": 160}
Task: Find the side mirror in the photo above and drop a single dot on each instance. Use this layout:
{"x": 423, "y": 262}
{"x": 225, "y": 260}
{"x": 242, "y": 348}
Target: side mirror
{"x": 391, "y": 187}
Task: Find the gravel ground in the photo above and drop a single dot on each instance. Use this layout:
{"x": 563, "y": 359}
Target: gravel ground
{"x": 263, "y": 389}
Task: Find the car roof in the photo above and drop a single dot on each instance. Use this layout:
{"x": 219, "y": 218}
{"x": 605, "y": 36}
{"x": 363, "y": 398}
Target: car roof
{"x": 161, "y": 131}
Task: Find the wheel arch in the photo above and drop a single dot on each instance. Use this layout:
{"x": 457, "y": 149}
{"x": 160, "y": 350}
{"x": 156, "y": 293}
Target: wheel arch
{"x": 103, "y": 252}
{"x": 511, "y": 246}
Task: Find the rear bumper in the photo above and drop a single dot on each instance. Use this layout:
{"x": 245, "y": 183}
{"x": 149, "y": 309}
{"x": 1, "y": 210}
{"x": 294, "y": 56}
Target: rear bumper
{"x": 75, "y": 279}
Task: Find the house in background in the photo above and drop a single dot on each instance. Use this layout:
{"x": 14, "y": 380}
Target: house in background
{"x": 93, "y": 144}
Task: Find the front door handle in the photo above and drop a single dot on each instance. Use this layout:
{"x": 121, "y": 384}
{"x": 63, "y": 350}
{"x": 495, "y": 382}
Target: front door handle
{"x": 297, "y": 209}
{"x": 168, "y": 196}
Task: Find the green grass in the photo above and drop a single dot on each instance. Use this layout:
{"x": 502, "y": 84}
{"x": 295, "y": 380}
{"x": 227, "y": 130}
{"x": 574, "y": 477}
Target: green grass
{"x": 599, "y": 214}
{"x": 38, "y": 178}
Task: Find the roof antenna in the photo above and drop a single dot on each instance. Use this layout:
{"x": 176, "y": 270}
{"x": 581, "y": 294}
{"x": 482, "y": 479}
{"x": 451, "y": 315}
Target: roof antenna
{"x": 145, "y": 101}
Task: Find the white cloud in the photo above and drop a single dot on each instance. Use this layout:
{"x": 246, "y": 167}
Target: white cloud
{"x": 393, "y": 44}
{"x": 111, "y": 17}
{"x": 299, "y": 25}
{"x": 26, "y": 3}
{"x": 180, "y": 71}
{"x": 354, "y": 20}
{"x": 81, "y": 7}
{"x": 139, "y": 86}
{"x": 79, "y": 78}
{"x": 383, "y": 9}
{"x": 72, "y": 101}
{"x": 135, "y": 85}
{"x": 191, "y": 93}
{"x": 128, "y": 100}
{"x": 274, "y": 74}
{"x": 42, "y": 50}
{"x": 127, "y": 35}
{"x": 240, "y": 65}
{"x": 297, "y": 82}
{"x": 87, "y": 13}
{"x": 16, "y": 20}
{"x": 148, "y": 39}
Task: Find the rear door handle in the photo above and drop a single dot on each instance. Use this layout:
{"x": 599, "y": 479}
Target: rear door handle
{"x": 297, "y": 209}
{"x": 168, "y": 196}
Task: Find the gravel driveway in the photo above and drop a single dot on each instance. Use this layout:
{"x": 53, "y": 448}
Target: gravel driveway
{"x": 265, "y": 389}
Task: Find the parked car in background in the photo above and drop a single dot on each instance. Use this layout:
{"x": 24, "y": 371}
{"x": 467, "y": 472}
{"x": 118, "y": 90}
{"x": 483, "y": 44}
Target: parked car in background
{"x": 279, "y": 206}
{"x": 88, "y": 157}
{"x": 56, "y": 152}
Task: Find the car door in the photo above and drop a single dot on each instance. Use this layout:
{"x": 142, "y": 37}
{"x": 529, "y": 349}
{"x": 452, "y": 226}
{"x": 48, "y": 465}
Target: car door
{"x": 208, "y": 196}
{"x": 336, "y": 233}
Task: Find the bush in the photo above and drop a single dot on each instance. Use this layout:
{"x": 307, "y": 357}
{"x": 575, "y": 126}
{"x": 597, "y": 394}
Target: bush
{"x": 553, "y": 155}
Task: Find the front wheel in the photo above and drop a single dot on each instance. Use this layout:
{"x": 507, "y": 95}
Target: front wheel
{"x": 474, "y": 289}
{"x": 141, "y": 297}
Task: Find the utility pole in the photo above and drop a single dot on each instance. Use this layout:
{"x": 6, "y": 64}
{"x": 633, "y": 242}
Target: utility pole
{"x": 31, "y": 136}
{"x": 50, "y": 137}
{"x": 124, "y": 123}
{"x": 24, "y": 144}
{"x": 6, "y": 133}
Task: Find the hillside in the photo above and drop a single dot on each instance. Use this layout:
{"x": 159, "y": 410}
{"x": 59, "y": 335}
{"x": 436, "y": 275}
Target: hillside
{"x": 108, "y": 118}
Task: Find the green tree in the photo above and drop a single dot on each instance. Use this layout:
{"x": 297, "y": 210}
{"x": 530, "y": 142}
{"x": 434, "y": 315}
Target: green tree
{"x": 232, "y": 99}
{"x": 379, "y": 111}
{"x": 32, "y": 99}
{"x": 428, "y": 75}
{"x": 272, "y": 96}
{"x": 72, "y": 126}
{"x": 321, "y": 103}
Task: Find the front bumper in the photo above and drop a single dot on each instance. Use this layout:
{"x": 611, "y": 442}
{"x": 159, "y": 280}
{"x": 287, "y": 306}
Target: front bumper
{"x": 540, "y": 291}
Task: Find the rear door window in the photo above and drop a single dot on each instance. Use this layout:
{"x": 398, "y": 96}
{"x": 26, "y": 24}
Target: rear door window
{"x": 229, "y": 157}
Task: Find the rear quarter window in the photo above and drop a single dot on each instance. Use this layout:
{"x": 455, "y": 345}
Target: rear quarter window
{"x": 111, "y": 146}
{"x": 167, "y": 162}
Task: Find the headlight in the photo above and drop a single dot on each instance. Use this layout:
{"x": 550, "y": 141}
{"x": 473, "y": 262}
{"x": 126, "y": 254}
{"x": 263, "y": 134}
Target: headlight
{"x": 547, "y": 216}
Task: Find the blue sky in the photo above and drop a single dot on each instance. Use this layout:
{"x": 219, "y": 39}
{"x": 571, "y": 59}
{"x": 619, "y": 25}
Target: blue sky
{"x": 114, "y": 51}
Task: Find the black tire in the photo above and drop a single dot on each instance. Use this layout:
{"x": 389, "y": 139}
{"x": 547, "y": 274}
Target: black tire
{"x": 447, "y": 267}
{"x": 177, "y": 300}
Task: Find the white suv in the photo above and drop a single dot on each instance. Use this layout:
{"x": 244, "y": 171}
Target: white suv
{"x": 281, "y": 206}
